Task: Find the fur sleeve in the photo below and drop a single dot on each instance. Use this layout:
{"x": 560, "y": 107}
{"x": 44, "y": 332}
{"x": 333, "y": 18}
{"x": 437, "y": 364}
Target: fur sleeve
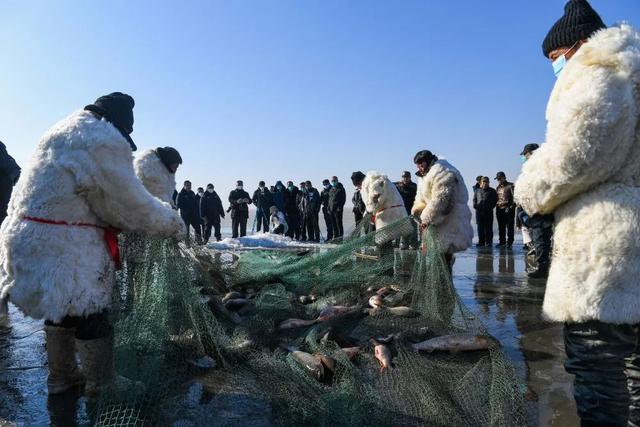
{"x": 590, "y": 131}
{"x": 118, "y": 197}
{"x": 418, "y": 203}
{"x": 443, "y": 195}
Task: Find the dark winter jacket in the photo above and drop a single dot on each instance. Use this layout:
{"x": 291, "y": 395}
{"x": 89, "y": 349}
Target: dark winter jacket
{"x": 291, "y": 200}
{"x": 324, "y": 200}
{"x": 310, "y": 202}
{"x": 263, "y": 199}
{"x": 9, "y": 174}
{"x": 188, "y": 205}
{"x": 535, "y": 221}
{"x": 211, "y": 207}
{"x": 278, "y": 196}
{"x": 485, "y": 199}
{"x": 408, "y": 193}
{"x": 505, "y": 196}
{"x": 238, "y": 209}
{"x": 337, "y": 198}
{"x": 358, "y": 204}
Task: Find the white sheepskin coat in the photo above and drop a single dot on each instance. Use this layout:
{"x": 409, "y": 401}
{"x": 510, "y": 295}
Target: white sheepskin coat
{"x": 382, "y": 199}
{"x": 81, "y": 171}
{"x": 442, "y": 201}
{"x": 588, "y": 174}
{"x": 154, "y": 175}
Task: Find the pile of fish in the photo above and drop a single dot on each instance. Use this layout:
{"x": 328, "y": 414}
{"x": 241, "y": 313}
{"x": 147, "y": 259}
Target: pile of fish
{"x": 376, "y": 301}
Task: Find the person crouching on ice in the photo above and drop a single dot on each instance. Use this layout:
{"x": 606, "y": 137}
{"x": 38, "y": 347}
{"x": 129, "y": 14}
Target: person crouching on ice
{"x": 58, "y": 245}
{"x": 442, "y": 202}
{"x": 277, "y": 221}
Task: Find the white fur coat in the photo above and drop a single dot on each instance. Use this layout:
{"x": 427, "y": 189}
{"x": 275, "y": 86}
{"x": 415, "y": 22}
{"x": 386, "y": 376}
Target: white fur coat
{"x": 382, "y": 199}
{"x": 442, "y": 201}
{"x": 81, "y": 171}
{"x": 154, "y": 175}
{"x": 588, "y": 174}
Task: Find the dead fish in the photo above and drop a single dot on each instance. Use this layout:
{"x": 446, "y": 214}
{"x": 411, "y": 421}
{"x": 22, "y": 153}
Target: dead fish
{"x": 296, "y": 323}
{"x": 395, "y": 299}
{"x": 394, "y": 311}
{"x": 328, "y": 362}
{"x": 333, "y": 311}
{"x": 312, "y": 365}
{"x": 455, "y": 343}
{"x": 231, "y": 295}
{"x": 376, "y": 301}
{"x": 235, "y": 303}
{"x": 383, "y": 291}
{"x": 350, "y": 352}
{"x": 307, "y": 299}
{"x": 241, "y": 346}
{"x": 383, "y": 354}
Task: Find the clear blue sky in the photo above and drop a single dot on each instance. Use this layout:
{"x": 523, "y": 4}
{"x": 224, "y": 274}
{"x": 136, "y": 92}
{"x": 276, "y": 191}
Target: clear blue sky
{"x": 279, "y": 89}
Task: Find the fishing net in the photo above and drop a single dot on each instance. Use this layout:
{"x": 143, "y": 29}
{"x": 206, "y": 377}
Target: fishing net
{"x": 185, "y": 355}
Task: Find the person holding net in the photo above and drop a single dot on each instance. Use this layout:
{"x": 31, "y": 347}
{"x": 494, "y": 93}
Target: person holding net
{"x": 442, "y": 202}
{"x": 59, "y": 245}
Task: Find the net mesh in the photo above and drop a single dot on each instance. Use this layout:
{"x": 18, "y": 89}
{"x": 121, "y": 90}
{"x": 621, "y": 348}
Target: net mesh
{"x": 184, "y": 358}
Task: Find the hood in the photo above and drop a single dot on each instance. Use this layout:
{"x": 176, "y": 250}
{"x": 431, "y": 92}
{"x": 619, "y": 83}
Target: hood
{"x": 617, "y": 46}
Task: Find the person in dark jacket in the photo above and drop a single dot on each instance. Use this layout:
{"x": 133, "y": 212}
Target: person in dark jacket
{"x": 310, "y": 206}
{"x": 324, "y": 198}
{"x": 189, "y": 210}
{"x": 484, "y": 201}
{"x": 263, "y": 199}
{"x": 505, "y": 211}
{"x": 337, "y": 199}
{"x": 407, "y": 189}
{"x": 211, "y": 211}
{"x": 291, "y": 211}
{"x": 239, "y": 206}
{"x": 278, "y": 196}
{"x": 359, "y": 208}
{"x": 199, "y": 195}
{"x": 9, "y": 174}
{"x": 477, "y": 184}
{"x": 174, "y": 200}
{"x": 303, "y": 225}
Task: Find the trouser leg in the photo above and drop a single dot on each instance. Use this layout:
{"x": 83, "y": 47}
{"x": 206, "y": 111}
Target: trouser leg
{"x": 502, "y": 226}
{"x": 316, "y": 227}
{"x": 186, "y": 226}
{"x": 217, "y": 234}
{"x": 480, "y": 225}
{"x": 207, "y": 232}
{"x": 243, "y": 226}
{"x": 541, "y": 237}
{"x": 511, "y": 224}
{"x": 329, "y": 224}
{"x": 235, "y": 224}
{"x": 303, "y": 227}
{"x": 596, "y": 353}
{"x": 488, "y": 228}
{"x": 258, "y": 221}
{"x": 61, "y": 357}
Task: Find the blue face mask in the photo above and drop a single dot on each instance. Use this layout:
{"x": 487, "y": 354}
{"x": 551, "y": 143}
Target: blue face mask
{"x": 334, "y": 184}
{"x": 558, "y": 65}
{"x": 523, "y": 158}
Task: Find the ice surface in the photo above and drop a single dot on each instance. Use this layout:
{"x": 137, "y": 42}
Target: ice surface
{"x": 263, "y": 241}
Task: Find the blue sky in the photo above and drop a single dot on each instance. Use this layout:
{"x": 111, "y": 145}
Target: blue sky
{"x": 294, "y": 89}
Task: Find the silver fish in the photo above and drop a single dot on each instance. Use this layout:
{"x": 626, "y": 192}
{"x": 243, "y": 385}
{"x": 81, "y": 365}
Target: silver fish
{"x": 333, "y": 311}
{"x": 231, "y": 295}
{"x": 394, "y": 311}
{"x": 376, "y": 301}
{"x": 296, "y": 323}
{"x": 312, "y": 364}
{"x": 455, "y": 343}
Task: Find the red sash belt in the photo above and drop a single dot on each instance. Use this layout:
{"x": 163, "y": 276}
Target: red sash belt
{"x": 110, "y": 234}
{"x": 373, "y": 217}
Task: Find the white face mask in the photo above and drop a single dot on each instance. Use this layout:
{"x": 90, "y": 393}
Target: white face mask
{"x": 210, "y": 190}
{"x": 239, "y": 187}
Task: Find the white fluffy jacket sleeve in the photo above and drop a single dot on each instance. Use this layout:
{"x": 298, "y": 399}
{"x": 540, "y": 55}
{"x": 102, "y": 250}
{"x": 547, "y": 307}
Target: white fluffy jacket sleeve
{"x": 443, "y": 187}
{"x": 115, "y": 194}
{"x": 589, "y": 137}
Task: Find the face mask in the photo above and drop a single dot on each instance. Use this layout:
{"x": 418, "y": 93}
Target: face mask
{"x": 239, "y": 187}
{"x": 200, "y": 193}
{"x": 210, "y": 190}
{"x": 327, "y": 186}
{"x": 523, "y": 158}
{"x": 290, "y": 188}
{"x": 561, "y": 62}
{"x": 334, "y": 184}
{"x": 261, "y": 188}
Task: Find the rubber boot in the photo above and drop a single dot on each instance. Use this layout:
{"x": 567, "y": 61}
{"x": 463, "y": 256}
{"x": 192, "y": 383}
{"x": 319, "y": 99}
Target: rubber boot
{"x": 96, "y": 357}
{"x": 61, "y": 355}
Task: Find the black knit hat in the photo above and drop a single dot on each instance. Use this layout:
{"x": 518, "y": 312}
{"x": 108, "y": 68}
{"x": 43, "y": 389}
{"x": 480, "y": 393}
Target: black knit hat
{"x": 424, "y": 156}
{"x": 117, "y": 109}
{"x": 169, "y": 156}
{"x": 357, "y": 177}
{"x": 579, "y": 22}
{"x": 529, "y": 148}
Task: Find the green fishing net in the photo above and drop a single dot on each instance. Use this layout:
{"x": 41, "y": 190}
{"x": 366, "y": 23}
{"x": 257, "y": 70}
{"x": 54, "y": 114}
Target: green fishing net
{"x": 184, "y": 358}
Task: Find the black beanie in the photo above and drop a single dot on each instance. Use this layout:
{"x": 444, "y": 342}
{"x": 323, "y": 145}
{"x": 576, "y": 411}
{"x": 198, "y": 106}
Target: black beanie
{"x": 117, "y": 109}
{"x": 579, "y": 22}
{"x": 357, "y": 178}
{"x": 424, "y": 156}
{"x": 169, "y": 156}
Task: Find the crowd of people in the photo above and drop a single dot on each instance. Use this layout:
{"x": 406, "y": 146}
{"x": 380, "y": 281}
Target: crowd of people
{"x": 537, "y": 230}
{"x": 59, "y": 240}
{"x": 293, "y": 211}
